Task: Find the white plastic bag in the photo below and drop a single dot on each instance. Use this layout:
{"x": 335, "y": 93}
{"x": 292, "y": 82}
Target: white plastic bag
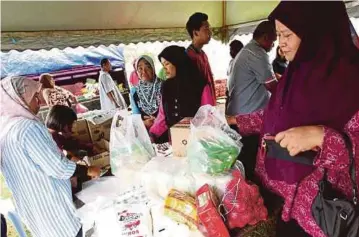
{"x": 210, "y": 116}
{"x": 130, "y": 144}
{"x": 213, "y": 146}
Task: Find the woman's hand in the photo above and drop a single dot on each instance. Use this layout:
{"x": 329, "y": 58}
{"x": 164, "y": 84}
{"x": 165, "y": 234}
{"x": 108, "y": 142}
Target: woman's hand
{"x": 301, "y": 139}
{"x": 148, "y": 121}
{"x": 231, "y": 120}
{"x": 75, "y": 159}
{"x": 93, "y": 171}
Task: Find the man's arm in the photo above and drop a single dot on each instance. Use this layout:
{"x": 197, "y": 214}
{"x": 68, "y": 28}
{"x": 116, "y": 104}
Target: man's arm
{"x": 112, "y": 98}
{"x": 104, "y": 80}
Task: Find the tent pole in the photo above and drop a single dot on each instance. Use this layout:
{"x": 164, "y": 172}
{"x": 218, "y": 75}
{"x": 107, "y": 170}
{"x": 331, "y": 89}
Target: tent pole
{"x": 224, "y": 29}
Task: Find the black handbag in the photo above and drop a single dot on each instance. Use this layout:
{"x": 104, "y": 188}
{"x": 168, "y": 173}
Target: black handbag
{"x": 333, "y": 213}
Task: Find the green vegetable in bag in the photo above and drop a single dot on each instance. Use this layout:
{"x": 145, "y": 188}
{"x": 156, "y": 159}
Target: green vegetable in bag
{"x": 212, "y": 151}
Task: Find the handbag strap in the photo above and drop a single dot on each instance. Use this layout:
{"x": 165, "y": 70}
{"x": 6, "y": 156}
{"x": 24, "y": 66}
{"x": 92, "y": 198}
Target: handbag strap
{"x": 349, "y": 147}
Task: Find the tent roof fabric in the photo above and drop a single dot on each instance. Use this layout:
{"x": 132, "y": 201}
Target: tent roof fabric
{"x": 60, "y": 24}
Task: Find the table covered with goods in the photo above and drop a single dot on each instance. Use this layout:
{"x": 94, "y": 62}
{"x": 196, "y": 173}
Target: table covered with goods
{"x": 193, "y": 187}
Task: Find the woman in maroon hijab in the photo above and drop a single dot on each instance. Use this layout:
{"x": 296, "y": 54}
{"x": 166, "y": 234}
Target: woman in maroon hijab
{"x": 315, "y": 102}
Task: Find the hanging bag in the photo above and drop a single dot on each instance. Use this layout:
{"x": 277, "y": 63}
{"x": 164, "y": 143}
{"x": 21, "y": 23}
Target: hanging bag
{"x": 333, "y": 213}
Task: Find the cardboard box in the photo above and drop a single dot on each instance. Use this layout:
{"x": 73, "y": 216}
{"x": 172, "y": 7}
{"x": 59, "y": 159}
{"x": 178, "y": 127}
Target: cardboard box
{"x": 93, "y": 126}
{"x": 103, "y": 159}
{"x": 180, "y": 133}
{"x": 100, "y": 131}
{"x": 80, "y": 131}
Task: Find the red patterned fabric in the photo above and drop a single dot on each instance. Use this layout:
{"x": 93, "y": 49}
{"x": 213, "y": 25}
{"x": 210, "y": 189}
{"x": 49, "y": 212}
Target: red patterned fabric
{"x": 333, "y": 156}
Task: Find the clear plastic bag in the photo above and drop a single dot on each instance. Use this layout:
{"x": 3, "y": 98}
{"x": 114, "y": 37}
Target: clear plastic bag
{"x": 130, "y": 144}
{"x": 213, "y": 146}
{"x": 210, "y": 116}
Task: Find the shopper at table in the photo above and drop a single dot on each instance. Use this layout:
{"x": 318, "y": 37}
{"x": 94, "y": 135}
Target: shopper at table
{"x": 145, "y": 97}
{"x": 35, "y": 170}
{"x": 314, "y": 104}
{"x": 59, "y": 122}
{"x": 181, "y": 92}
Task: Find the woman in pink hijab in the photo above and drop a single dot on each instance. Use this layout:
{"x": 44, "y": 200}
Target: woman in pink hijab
{"x": 35, "y": 170}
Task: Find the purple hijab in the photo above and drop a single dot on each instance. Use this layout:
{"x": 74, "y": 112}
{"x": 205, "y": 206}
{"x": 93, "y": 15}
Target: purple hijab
{"x": 321, "y": 84}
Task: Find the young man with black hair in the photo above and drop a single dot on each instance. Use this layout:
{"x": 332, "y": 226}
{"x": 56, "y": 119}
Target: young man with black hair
{"x": 110, "y": 95}
{"x": 199, "y": 30}
{"x": 252, "y": 73}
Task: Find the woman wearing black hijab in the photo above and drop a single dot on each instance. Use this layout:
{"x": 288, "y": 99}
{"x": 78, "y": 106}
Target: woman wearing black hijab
{"x": 181, "y": 93}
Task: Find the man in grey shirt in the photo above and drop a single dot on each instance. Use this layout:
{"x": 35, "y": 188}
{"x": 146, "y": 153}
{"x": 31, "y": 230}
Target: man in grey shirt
{"x": 251, "y": 72}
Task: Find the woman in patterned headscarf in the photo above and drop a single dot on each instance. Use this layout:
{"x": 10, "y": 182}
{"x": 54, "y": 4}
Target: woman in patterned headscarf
{"x": 145, "y": 96}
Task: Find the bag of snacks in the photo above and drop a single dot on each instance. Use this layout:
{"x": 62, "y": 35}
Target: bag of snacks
{"x": 207, "y": 204}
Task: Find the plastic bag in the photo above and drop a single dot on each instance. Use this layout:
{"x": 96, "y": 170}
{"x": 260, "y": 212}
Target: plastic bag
{"x": 181, "y": 207}
{"x": 123, "y": 220}
{"x": 210, "y": 116}
{"x": 211, "y": 151}
{"x": 130, "y": 144}
{"x": 213, "y": 145}
{"x": 243, "y": 203}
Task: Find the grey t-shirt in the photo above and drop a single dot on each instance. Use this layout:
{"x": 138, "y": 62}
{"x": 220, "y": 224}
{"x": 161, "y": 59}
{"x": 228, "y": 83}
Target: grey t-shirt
{"x": 250, "y": 71}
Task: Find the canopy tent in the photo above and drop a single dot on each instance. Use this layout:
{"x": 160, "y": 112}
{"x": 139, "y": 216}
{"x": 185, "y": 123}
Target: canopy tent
{"x": 60, "y": 24}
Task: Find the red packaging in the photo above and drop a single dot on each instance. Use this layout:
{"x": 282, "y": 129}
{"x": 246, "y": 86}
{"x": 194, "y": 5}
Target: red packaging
{"x": 207, "y": 205}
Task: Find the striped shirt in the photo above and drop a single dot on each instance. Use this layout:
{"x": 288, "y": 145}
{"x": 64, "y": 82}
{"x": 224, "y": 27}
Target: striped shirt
{"x": 37, "y": 173}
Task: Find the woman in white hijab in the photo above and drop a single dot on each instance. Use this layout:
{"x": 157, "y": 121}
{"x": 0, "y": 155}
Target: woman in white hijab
{"x": 35, "y": 170}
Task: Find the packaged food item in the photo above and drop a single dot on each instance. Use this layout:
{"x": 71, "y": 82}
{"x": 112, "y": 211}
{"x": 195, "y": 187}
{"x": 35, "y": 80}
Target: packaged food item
{"x": 207, "y": 204}
{"x": 243, "y": 203}
{"x": 181, "y": 207}
{"x": 134, "y": 220}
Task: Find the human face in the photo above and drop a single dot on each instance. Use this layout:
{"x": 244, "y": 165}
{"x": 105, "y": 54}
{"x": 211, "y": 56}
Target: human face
{"x": 52, "y": 82}
{"x": 107, "y": 67}
{"x": 34, "y": 104}
{"x": 169, "y": 68}
{"x": 68, "y": 130}
{"x": 289, "y": 42}
{"x": 233, "y": 51}
{"x": 268, "y": 42}
{"x": 204, "y": 34}
{"x": 144, "y": 70}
